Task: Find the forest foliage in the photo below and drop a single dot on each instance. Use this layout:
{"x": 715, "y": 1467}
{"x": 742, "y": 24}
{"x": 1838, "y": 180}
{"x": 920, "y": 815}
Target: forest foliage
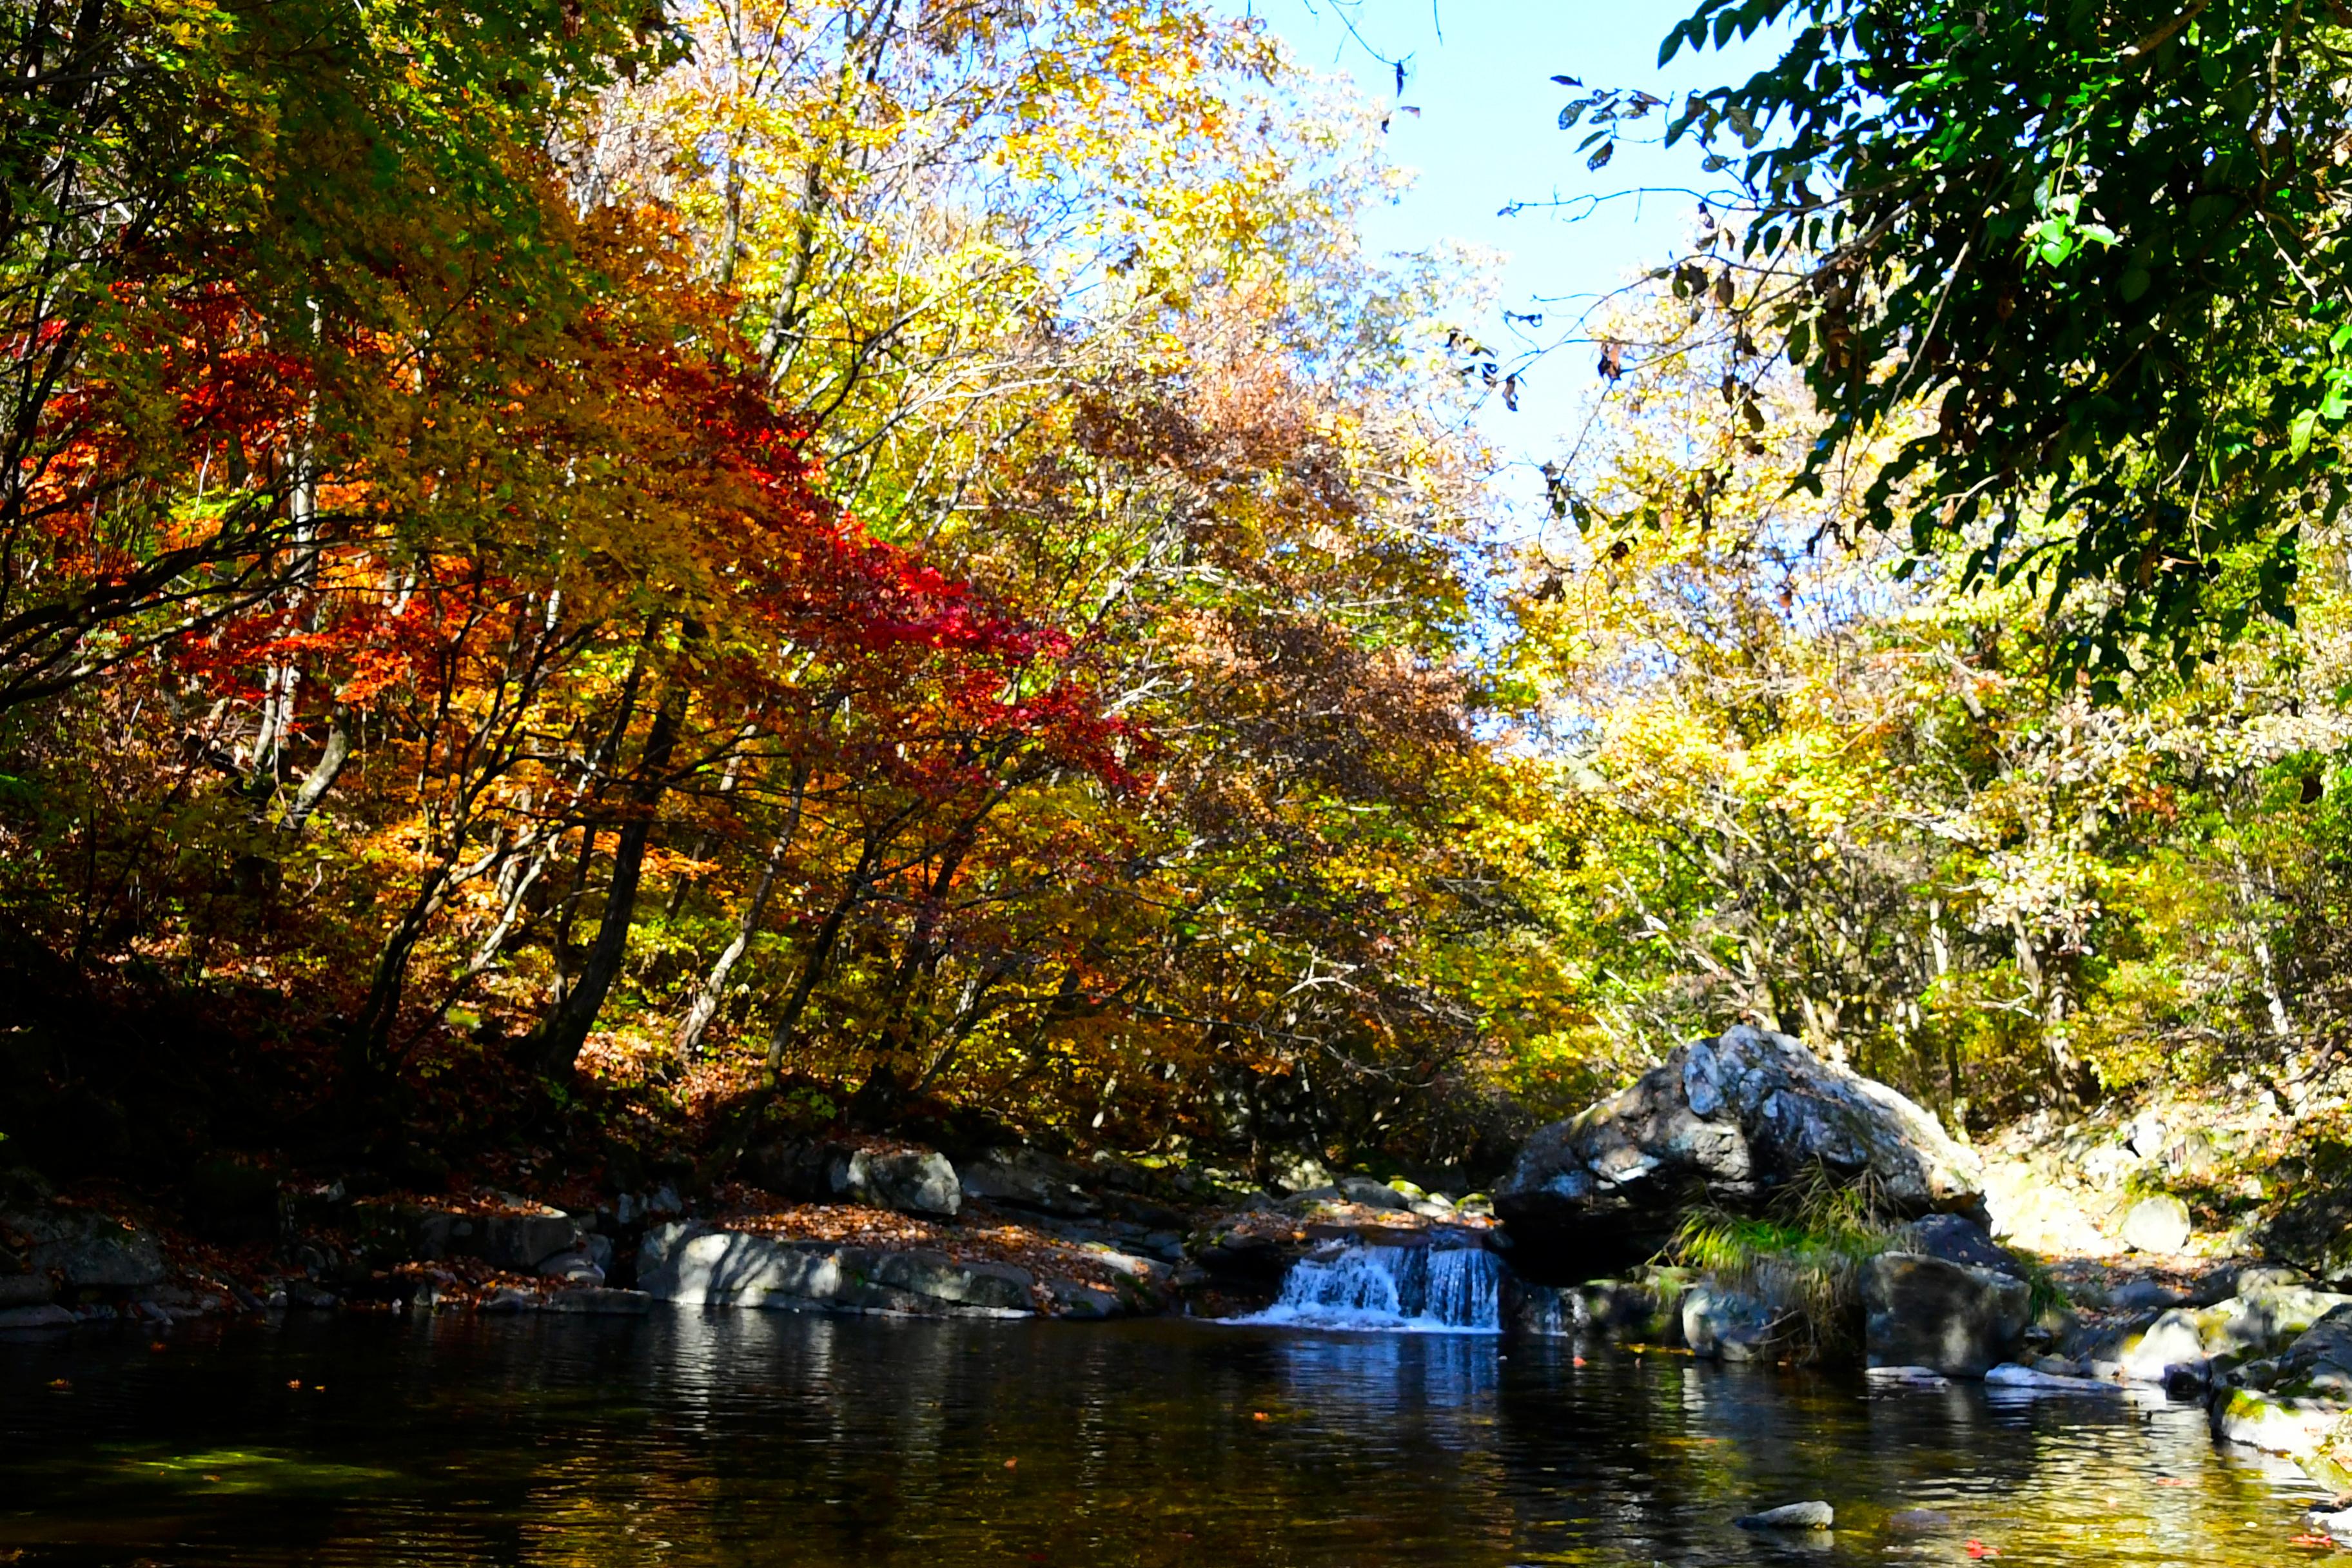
{"x": 572, "y": 564}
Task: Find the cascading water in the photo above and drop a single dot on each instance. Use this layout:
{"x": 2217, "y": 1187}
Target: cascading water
{"x": 1392, "y": 1289}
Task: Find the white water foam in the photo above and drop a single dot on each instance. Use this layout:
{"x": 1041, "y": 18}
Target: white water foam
{"x": 1392, "y": 1289}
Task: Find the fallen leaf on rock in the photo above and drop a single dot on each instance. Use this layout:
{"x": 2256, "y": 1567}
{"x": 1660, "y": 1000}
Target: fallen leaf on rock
{"x": 1978, "y": 1548}
{"x": 61, "y": 1382}
{"x": 2327, "y": 1542}
{"x": 1010, "y": 1463}
{"x": 1259, "y": 1415}
{"x": 2174, "y": 1481}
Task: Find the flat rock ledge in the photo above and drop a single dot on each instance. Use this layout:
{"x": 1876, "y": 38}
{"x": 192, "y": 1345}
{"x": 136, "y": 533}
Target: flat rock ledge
{"x": 692, "y": 1264}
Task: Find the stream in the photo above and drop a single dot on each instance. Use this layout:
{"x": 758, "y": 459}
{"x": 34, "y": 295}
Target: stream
{"x": 779, "y": 1438}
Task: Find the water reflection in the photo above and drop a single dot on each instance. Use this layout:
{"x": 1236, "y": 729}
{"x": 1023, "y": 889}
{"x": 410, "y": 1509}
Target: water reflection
{"x": 768, "y": 1438}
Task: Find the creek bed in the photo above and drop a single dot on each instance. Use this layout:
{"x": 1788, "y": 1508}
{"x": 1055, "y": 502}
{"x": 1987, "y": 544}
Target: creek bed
{"x": 778, "y": 1438}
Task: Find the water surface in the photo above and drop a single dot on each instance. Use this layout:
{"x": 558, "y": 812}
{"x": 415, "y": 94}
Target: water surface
{"x": 773, "y": 1439}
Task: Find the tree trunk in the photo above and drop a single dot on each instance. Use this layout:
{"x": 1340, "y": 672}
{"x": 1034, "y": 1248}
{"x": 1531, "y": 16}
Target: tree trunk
{"x": 788, "y": 1022}
{"x": 713, "y": 990}
{"x": 566, "y": 1028}
{"x": 323, "y": 773}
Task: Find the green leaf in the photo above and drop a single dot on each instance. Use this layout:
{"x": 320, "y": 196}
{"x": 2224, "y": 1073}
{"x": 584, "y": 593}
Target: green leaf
{"x": 2133, "y": 284}
{"x": 2299, "y": 431}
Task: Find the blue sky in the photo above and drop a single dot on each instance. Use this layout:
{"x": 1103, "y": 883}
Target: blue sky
{"x": 1487, "y": 137}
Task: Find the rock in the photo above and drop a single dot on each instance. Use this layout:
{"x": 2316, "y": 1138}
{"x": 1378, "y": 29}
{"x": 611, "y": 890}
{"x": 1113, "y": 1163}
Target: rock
{"x": 2259, "y": 1276}
{"x": 24, "y": 1290}
{"x": 2268, "y": 1317}
{"x": 917, "y": 1181}
{"x": 2144, "y": 1135}
{"x": 2190, "y": 1158}
{"x": 507, "y": 1299}
{"x": 1300, "y": 1175}
{"x": 2031, "y": 1380}
{"x": 599, "y": 1300}
{"x": 1723, "y": 1324}
{"x": 2170, "y": 1351}
{"x": 2194, "y": 1344}
{"x": 1027, "y": 1178}
{"x": 1726, "y": 1121}
{"x": 1789, "y": 1516}
{"x": 1907, "y": 1376}
{"x": 2158, "y": 1224}
{"x": 1645, "y": 1310}
{"x": 29, "y": 1320}
{"x": 1918, "y": 1520}
{"x": 599, "y": 1249}
{"x": 85, "y": 1251}
{"x": 1373, "y": 1195}
{"x": 2273, "y": 1423}
{"x": 517, "y": 1242}
{"x": 575, "y": 1267}
{"x": 310, "y": 1298}
{"x": 521, "y": 1242}
{"x": 1077, "y": 1298}
{"x": 2135, "y": 1295}
{"x": 2318, "y": 1362}
{"x": 913, "y": 1181}
{"x": 697, "y": 1267}
{"x": 2030, "y": 1210}
{"x": 1958, "y": 1320}
{"x": 1956, "y": 1238}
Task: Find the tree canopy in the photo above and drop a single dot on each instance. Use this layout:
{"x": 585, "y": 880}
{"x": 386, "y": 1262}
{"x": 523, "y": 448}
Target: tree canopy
{"x": 2104, "y": 247}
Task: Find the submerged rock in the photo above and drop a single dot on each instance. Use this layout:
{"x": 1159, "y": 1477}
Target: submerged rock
{"x": 1951, "y": 1318}
{"x": 1725, "y": 1121}
{"x": 1791, "y": 1516}
{"x": 2034, "y": 1380}
{"x": 1725, "y": 1325}
{"x": 1647, "y": 1310}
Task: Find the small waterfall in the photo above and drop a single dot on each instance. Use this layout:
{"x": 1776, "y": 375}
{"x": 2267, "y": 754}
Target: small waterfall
{"x": 1393, "y": 1290}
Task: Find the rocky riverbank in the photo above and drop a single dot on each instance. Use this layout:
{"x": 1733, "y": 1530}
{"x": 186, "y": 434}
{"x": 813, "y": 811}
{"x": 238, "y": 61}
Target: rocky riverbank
{"x": 857, "y": 1226}
{"x": 2077, "y": 1258}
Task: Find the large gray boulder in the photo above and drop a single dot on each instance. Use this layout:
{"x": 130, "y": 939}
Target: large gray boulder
{"x": 1726, "y": 1121}
{"x": 1027, "y": 1178}
{"x": 516, "y": 1239}
{"x": 910, "y": 1181}
{"x": 1951, "y": 1318}
{"x": 916, "y": 1180}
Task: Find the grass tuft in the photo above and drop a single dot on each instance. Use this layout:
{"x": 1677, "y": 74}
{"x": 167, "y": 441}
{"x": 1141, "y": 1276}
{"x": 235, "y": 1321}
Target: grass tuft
{"x": 1802, "y": 1259}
